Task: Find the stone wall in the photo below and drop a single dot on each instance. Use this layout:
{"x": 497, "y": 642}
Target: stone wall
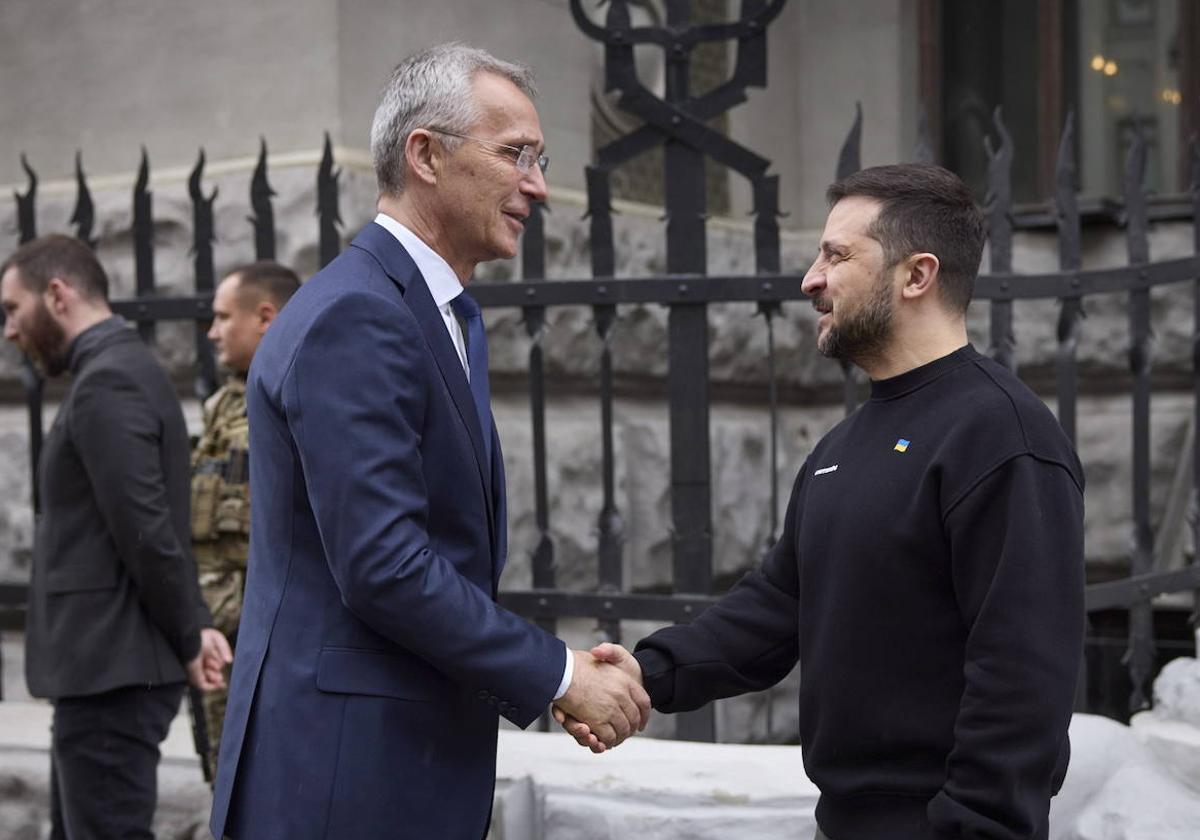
{"x": 810, "y": 384}
{"x": 223, "y": 73}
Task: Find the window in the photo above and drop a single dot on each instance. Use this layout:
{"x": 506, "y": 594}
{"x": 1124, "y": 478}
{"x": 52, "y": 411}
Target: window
{"x": 1129, "y": 81}
{"x": 1123, "y": 66}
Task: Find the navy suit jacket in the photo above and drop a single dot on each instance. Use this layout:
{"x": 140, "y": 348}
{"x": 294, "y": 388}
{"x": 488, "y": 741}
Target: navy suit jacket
{"x": 372, "y": 659}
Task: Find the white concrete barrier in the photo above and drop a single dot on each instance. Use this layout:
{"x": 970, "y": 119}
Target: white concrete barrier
{"x": 548, "y": 788}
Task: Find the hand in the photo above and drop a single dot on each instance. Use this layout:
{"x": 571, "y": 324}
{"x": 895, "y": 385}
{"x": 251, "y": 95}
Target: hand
{"x": 578, "y": 730}
{"x": 207, "y": 670}
{"x": 610, "y": 733}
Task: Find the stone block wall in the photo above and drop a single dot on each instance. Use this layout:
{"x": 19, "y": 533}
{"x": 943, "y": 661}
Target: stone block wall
{"x": 810, "y": 385}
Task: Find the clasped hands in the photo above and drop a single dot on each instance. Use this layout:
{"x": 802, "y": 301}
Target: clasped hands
{"x": 606, "y": 702}
{"x": 206, "y": 671}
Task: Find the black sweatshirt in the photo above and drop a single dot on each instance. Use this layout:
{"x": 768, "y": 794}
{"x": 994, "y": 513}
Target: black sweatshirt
{"x": 930, "y": 580}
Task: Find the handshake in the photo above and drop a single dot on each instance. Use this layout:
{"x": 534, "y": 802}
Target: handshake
{"x": 605, "y": 702}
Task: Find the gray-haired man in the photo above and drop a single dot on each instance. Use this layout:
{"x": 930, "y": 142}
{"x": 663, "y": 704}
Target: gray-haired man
{"x": 373, "y": 660}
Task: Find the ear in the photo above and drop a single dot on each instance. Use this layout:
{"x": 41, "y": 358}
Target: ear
{"x": 59, "y": 295}
{"x": 423, "y": 156}
{"x": 920, "y": 275}
{"x": 266, "y": 312}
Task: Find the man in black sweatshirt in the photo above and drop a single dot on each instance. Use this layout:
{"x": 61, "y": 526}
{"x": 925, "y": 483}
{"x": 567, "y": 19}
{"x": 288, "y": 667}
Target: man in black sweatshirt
{"x": 929, "y": 578}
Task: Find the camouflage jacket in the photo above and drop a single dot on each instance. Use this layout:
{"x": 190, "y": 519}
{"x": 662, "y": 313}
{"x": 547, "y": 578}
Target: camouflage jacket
{"x": 221, "y": 503}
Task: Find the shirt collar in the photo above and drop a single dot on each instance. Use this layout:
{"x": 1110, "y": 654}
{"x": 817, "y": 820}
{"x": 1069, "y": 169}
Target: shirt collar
{"x": 443, "y": 283}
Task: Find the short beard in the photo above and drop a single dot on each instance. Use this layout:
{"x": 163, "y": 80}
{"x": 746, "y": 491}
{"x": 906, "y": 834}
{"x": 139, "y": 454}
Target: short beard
{"x": 47, "y": 343}
{"x": 862, "y": 337}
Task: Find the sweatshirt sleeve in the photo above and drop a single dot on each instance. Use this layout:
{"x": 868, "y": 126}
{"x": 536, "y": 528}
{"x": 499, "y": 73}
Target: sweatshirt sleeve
{"x": 1018, "y": 576}
{"x": 747, "y": 641}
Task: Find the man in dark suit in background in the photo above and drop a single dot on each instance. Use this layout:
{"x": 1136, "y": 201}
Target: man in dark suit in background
{"x": 373, "y": 660}
{"x": 115, "y": 623}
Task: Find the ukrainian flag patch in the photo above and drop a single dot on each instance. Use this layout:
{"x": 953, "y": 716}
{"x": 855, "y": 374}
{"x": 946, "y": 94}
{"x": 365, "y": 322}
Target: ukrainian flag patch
{"x": 901, "y": 445}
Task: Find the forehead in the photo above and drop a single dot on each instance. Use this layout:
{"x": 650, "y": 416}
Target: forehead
{"x": 226, "y": 296}
{"x": 12, "y": 288}
{"x": 850, "y": 219}
{"x": 505, "y": 108}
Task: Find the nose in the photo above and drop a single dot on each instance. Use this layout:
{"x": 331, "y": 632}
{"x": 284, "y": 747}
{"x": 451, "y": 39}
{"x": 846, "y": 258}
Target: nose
{"x": 10, "y": 328}
{"x": 533, "y": 184}
{"x": 814, "y": 278}
{"x": 213, "y": 334}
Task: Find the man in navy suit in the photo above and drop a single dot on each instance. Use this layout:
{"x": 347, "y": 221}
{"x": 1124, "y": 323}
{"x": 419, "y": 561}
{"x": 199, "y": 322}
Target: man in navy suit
{"x": 373, "y": 660}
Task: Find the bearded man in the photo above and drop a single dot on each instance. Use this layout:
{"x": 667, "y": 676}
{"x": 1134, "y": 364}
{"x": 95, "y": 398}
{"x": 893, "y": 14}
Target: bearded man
{"x": 929, "y": 578}
{"x": 115, "y": 623}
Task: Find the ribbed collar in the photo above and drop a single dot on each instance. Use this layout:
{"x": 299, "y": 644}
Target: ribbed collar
{"x": 88, "y": 342}
{"x": 911, "y": 380}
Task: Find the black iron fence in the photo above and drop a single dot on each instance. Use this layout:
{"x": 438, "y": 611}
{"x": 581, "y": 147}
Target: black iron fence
{"x": 678, "y": 123}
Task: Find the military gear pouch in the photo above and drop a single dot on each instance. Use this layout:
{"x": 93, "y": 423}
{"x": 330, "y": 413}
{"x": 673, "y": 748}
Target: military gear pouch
{"x": 206, "y": 489}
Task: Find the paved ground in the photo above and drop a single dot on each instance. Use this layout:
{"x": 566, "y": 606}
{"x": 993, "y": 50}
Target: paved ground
{"x": 184, "y": 799}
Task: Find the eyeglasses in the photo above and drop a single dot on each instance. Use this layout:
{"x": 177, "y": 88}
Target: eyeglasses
{"x": 526, "y": 156}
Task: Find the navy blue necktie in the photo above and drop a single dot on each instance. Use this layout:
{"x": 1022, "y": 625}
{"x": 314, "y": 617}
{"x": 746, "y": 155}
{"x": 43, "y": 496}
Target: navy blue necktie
{"x": 477, "y": 359}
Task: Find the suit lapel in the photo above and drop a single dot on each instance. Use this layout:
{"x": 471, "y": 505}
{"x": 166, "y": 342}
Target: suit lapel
{"x": 499, "y": 497}
{"x": 403, "y": 272}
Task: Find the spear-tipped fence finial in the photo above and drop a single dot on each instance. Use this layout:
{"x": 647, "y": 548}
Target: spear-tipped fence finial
{"x": 84, "y": 214}
{"x": 203, "y": 236}
{"x": 263, "y": 219}
{"x": 27, "y": 204}
{"x": 850, "y": 156}
{"x": 998, "y": 205}
{"x": 330, "y": 218}
{"x": 143, "y": 240}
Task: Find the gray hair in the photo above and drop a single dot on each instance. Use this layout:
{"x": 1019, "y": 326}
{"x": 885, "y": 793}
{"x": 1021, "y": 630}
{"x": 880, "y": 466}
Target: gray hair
{"x": 433, "y": 89}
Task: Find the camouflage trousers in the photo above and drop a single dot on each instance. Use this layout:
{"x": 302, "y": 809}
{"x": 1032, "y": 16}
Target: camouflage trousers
{"x": 212, "y": 705}
{"x": 222, "y": 592}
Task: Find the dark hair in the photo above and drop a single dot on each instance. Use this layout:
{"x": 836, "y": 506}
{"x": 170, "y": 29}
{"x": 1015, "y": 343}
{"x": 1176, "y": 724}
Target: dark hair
{"x": 265, "y": 279}
{"x": 40, "y": 260}
{"x": 924, "y": 208}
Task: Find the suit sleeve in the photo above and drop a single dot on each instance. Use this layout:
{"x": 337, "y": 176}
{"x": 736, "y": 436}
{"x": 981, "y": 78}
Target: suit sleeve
{"x": 747, "y": 641}
{"x": 119, "y": 439}
{"x": 1018, "y": 575}
{"x": 355, "y": 399}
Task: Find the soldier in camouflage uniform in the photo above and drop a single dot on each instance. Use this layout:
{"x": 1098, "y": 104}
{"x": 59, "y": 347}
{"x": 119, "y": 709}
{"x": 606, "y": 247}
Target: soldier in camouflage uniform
{"x": 244, "y": 305}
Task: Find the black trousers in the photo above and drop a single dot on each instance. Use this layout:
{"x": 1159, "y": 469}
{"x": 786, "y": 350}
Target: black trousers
{"x": 104, "y": 762}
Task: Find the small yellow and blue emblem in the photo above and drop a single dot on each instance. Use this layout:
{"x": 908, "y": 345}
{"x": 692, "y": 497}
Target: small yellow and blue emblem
{"x": 901, "y": 445}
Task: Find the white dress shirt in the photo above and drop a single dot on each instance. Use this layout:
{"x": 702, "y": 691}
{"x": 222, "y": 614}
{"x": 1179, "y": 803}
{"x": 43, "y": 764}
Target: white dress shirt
{"x": 445, "y": 286}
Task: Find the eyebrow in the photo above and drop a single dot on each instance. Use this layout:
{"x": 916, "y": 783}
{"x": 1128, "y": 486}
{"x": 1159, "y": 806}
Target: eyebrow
{"x": 524, "y": 140}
